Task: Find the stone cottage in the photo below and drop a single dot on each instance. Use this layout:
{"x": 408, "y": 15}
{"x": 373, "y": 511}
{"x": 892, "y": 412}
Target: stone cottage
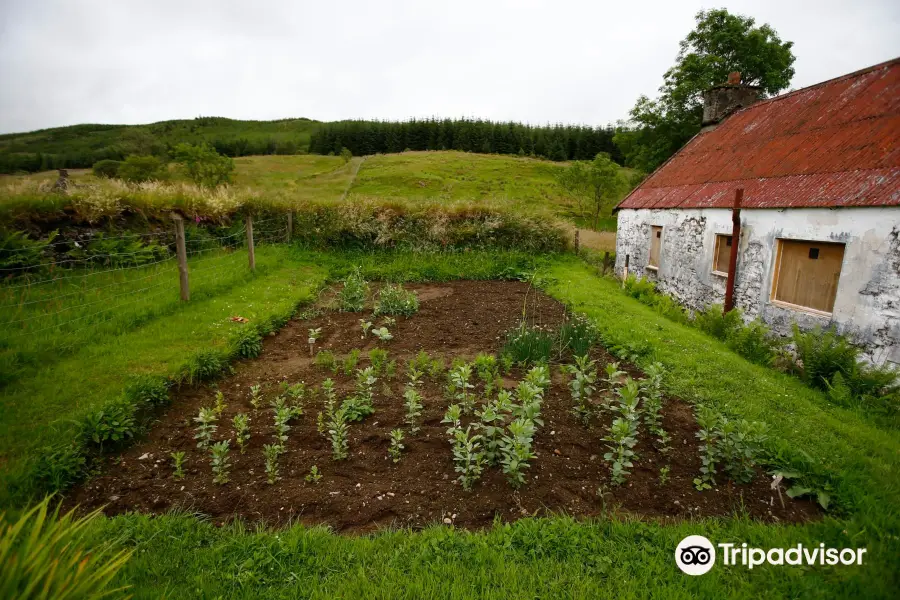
{"x": 810, "y": 183}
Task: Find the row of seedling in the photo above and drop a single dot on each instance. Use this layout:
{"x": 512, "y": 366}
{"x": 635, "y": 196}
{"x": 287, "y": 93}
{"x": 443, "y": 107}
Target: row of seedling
{"x": 500, "y": 430}
{"x": 286, "y": 407}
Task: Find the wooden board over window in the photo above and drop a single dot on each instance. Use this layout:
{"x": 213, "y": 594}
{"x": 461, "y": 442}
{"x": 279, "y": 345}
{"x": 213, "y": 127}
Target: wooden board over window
{"x": 807, "y": 274}
{"x": 723, "y": 254}
{"x": 655, "y": 244}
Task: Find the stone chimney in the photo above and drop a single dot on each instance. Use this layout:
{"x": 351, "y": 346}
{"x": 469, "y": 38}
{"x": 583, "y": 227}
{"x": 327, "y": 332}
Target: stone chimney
{"x": 722, "y": 100}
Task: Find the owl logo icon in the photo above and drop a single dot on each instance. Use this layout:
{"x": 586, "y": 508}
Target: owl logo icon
{"x": 695, "y": 555}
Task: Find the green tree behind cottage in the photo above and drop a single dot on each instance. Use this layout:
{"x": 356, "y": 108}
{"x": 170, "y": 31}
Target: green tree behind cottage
{"x": 720, "y": 44}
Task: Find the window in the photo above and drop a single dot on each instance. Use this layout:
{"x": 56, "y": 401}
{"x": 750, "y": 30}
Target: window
{"x": 723, "y": 254}
{"x": 807, "y": 274}
{"x": 655, "y": 243}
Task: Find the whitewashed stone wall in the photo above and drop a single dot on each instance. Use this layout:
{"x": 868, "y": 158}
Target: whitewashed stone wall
{"x": 867, "y": 306}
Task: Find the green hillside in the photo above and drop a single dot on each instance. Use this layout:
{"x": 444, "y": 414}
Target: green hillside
{"x": 80, "y": 146}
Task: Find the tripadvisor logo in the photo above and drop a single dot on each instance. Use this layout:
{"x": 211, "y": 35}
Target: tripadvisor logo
{"x": 696, "y": 555}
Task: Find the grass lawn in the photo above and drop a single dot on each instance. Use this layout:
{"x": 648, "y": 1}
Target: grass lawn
{"x": 183, "y": 556}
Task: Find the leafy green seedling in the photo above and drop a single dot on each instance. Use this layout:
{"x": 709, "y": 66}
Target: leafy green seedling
{"x": 241, "y": 430}
{"x": 397, "y": 446}
{"x": 178, "y": 465}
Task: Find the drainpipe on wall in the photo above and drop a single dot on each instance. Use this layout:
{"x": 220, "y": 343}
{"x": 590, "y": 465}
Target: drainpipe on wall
{"x": 735, "y": 242}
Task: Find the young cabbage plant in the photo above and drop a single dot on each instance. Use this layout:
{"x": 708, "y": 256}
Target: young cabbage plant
{"x": 453, "y": 416}
{"x": 628, "y": 404}
{"x": 460, "y": 386}
{"x": 177, "y": 465}
{"x": 468, "y": 459}
{"x": 584, "y": 376}
{"x": 516, "y": 451}
{"x": 738, "y": 443}
{"x": 241, "y": 423}
{"x": 352, "y": 297}
{"x": 256, "y": 395}
{"x": 337, "y": 432}
{"x": 621, "y": 453}
{"x": 283, "y": 417}
{"x": 529, "y": 402}
{"x": 613, "y": 374}
{"x": 365, "y": 326}
{"x": 206, "y": 427}
{"x": 708, "y": 420}
{"x": 378, "y": 359}
{"x": 359, "y": 406}
{"x": 653, "y": 404}
{"x": 492, "y": 424}
{"x": 382, "y": 334}
{"x": 396, "y": 447}
{"x": 412, "y": 399}
{"x": 271, "y": 452}
{"x": 220, "y": 403}
{"x": 314, "y": 475}
{"x": 220, "y": 463}
{"x": 539, "y": 377}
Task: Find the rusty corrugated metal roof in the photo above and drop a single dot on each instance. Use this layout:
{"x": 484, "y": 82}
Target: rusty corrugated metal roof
{"x": 834, "y": 144}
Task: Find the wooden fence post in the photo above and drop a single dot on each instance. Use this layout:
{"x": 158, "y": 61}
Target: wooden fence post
{"x": 735, "y": 242}
{"x": 182, "y": 258}
{"x": 250, "y": 250}
{"x": 290, "y": 228}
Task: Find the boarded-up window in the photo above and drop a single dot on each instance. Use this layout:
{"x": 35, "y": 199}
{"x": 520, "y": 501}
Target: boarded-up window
{"x": 807, "y": 273}
{"x": 655, "y": 244}
{"x": 723, "y": 254}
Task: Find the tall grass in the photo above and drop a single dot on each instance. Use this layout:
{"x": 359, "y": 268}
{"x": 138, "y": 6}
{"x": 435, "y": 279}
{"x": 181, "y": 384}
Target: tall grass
{"x": 47, "y": 555}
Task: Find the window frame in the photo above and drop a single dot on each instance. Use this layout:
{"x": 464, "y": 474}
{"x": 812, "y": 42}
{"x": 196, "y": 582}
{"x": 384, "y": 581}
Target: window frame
{"x": 777, "y": 271}
{"x": 715, "y": 271}
{"x": 650, "y": 265}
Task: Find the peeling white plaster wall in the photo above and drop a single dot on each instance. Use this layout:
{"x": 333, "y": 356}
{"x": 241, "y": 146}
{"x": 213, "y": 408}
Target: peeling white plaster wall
{"x": 867, "y": 305}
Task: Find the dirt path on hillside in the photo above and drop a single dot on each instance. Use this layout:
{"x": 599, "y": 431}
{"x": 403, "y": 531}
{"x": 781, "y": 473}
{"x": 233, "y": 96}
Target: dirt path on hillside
{"x": 353, "y": 177}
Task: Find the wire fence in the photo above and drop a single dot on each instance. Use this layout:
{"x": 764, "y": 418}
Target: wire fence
{"x": 49, "y": 307}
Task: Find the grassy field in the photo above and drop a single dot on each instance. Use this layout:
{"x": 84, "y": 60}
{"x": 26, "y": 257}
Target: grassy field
{"x": 182, "y": 556}
{"x": 521, "y": 186}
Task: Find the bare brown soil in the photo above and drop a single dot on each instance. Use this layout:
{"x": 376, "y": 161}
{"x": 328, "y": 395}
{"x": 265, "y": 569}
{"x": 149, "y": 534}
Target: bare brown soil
{"x": 368, "y": 490}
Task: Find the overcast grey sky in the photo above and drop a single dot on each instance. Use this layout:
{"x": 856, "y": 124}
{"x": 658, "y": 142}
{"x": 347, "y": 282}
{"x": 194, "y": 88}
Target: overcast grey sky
{"x": 131, "y": 61}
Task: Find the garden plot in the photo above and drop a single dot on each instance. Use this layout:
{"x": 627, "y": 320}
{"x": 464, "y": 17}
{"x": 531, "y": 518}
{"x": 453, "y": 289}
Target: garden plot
{"x": 323, "y": 427}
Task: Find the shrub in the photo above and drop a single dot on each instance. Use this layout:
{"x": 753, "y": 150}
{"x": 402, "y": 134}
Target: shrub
{"x": 640, "y": 288}
{"x": 713, "y": 321}
{"x": 346, "y": 154}
{"x": 822, "y": 353}
{"x": 45, "y": 555}
{"x": 143, "y": 168}
{"x": 394, "y": 300}
{"x": 106, "y": 168}
{"x": 755, "y": 343}
{"x": 352, "y": 297}
{"x": 203, "y": 165}
{"x": 246, "y": 342}
{"x": 147, "y": 390}
{"x": 204, "y": 365}
{"x": 114, "y": 423}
